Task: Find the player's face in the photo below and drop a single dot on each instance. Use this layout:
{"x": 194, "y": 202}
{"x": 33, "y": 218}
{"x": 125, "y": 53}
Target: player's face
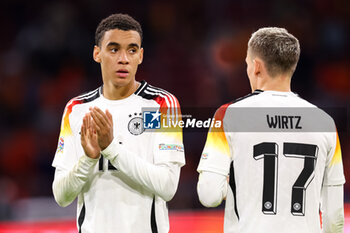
{"x": 250, "y": 71}
{"x": 119, "y": 54}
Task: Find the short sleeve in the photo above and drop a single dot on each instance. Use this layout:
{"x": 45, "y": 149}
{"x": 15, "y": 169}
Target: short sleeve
{"x": 168, "y": 143}
{"x": 65, "y": 156}
{"x": 216, "y": 153}
{"x": 334, "y": 173}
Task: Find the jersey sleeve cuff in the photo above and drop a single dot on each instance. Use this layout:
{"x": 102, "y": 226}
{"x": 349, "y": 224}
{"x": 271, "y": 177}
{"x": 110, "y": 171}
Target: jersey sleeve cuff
{"x": 212, "y": 169}
{"x": 86, "y": 160}
{"x": 111, "y": 151}
{"x": 86, "y": 164}
{"x": 334, "y": 182}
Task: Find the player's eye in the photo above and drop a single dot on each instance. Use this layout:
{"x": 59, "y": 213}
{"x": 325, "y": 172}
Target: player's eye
{"x": 132, "y": 50}
{"x": 114, "y": 50}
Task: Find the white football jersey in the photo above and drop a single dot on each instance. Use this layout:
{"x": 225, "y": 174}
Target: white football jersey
{"x": 111, "y": 201}
{"x": 278, "y": 150}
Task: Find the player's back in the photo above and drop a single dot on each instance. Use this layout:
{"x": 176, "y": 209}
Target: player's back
{"x": 280, "y": 146}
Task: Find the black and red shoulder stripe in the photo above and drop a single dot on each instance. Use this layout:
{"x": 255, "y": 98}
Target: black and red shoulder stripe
{"x": 84, "y": 98}
{"x": 256, "y": 92}
{"x": 161, "y": 96}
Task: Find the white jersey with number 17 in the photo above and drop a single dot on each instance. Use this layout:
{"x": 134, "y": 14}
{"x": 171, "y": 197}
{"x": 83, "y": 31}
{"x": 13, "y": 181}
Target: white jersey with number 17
{"x": 278, "y": 150}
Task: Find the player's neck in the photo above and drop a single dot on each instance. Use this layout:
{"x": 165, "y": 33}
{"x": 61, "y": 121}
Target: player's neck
{"x": 113, "y": 92}
{"x": 275, "y": 84}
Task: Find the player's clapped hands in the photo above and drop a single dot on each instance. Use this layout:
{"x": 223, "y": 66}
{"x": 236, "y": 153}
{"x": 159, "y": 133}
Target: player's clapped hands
{"x": 89, "y": 137}
{"x": 104, "y": 126}
{"x": 96, "y": 131}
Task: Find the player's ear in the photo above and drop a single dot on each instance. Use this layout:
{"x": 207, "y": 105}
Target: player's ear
{"x": 257, "y": 64}
{"x": 141, "y": 56}
{"x": 96, "y": 54}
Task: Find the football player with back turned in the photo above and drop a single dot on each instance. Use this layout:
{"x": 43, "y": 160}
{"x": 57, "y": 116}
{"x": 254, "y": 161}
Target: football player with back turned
{"x": 276, "y": 159}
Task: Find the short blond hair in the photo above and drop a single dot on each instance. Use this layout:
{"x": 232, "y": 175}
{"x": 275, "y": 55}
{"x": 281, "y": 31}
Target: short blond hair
{"x": 279, "y": 49}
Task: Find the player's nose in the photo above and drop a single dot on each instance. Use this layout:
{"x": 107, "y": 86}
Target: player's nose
{"x": 123, "y": 58}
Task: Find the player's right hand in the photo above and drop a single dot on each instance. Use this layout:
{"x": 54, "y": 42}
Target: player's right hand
{"x": 88, "y": 138}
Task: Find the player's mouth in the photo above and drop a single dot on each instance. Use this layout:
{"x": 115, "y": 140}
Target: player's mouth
{"x": 123, "y": 73}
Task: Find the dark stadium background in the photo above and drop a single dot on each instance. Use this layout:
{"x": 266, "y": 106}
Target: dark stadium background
{"x": 193, "y": 48}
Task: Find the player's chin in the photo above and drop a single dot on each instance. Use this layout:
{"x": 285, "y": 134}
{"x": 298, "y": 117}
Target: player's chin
{"x": 121, "y": 81}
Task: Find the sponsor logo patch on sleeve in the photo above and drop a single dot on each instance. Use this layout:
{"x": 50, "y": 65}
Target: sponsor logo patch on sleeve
{"x": 174, "y": 147}
{"x": 60, "y": 145}
{"x": 204, "y": 156}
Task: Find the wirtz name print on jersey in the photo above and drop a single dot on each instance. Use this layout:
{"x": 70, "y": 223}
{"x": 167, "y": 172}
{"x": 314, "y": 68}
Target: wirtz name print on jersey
{"x": 283, "y": 122}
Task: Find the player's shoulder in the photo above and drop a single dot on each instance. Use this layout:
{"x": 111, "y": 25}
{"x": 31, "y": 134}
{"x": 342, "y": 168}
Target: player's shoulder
{"x": 83, "y": 98}
{"x": 303, "y": 102}
{"x": 159, "y": 95}
{"x": 244, "y": 100}
{"x": 221, "y": 111}
{"x": 319, "y": 113}
{"x": 74, "y": 109}
{"x": 88, "y": 96}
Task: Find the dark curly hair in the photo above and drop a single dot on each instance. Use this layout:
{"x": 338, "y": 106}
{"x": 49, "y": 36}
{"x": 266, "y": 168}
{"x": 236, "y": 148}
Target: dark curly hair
{"x": 117, "y": 21}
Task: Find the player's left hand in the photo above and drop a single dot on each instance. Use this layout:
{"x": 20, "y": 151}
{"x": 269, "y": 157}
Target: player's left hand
{"x": 104, "y": 126}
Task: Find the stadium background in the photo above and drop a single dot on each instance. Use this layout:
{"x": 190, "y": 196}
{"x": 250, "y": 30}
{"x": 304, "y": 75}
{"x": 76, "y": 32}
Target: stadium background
{"x": 194, "y": 49}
